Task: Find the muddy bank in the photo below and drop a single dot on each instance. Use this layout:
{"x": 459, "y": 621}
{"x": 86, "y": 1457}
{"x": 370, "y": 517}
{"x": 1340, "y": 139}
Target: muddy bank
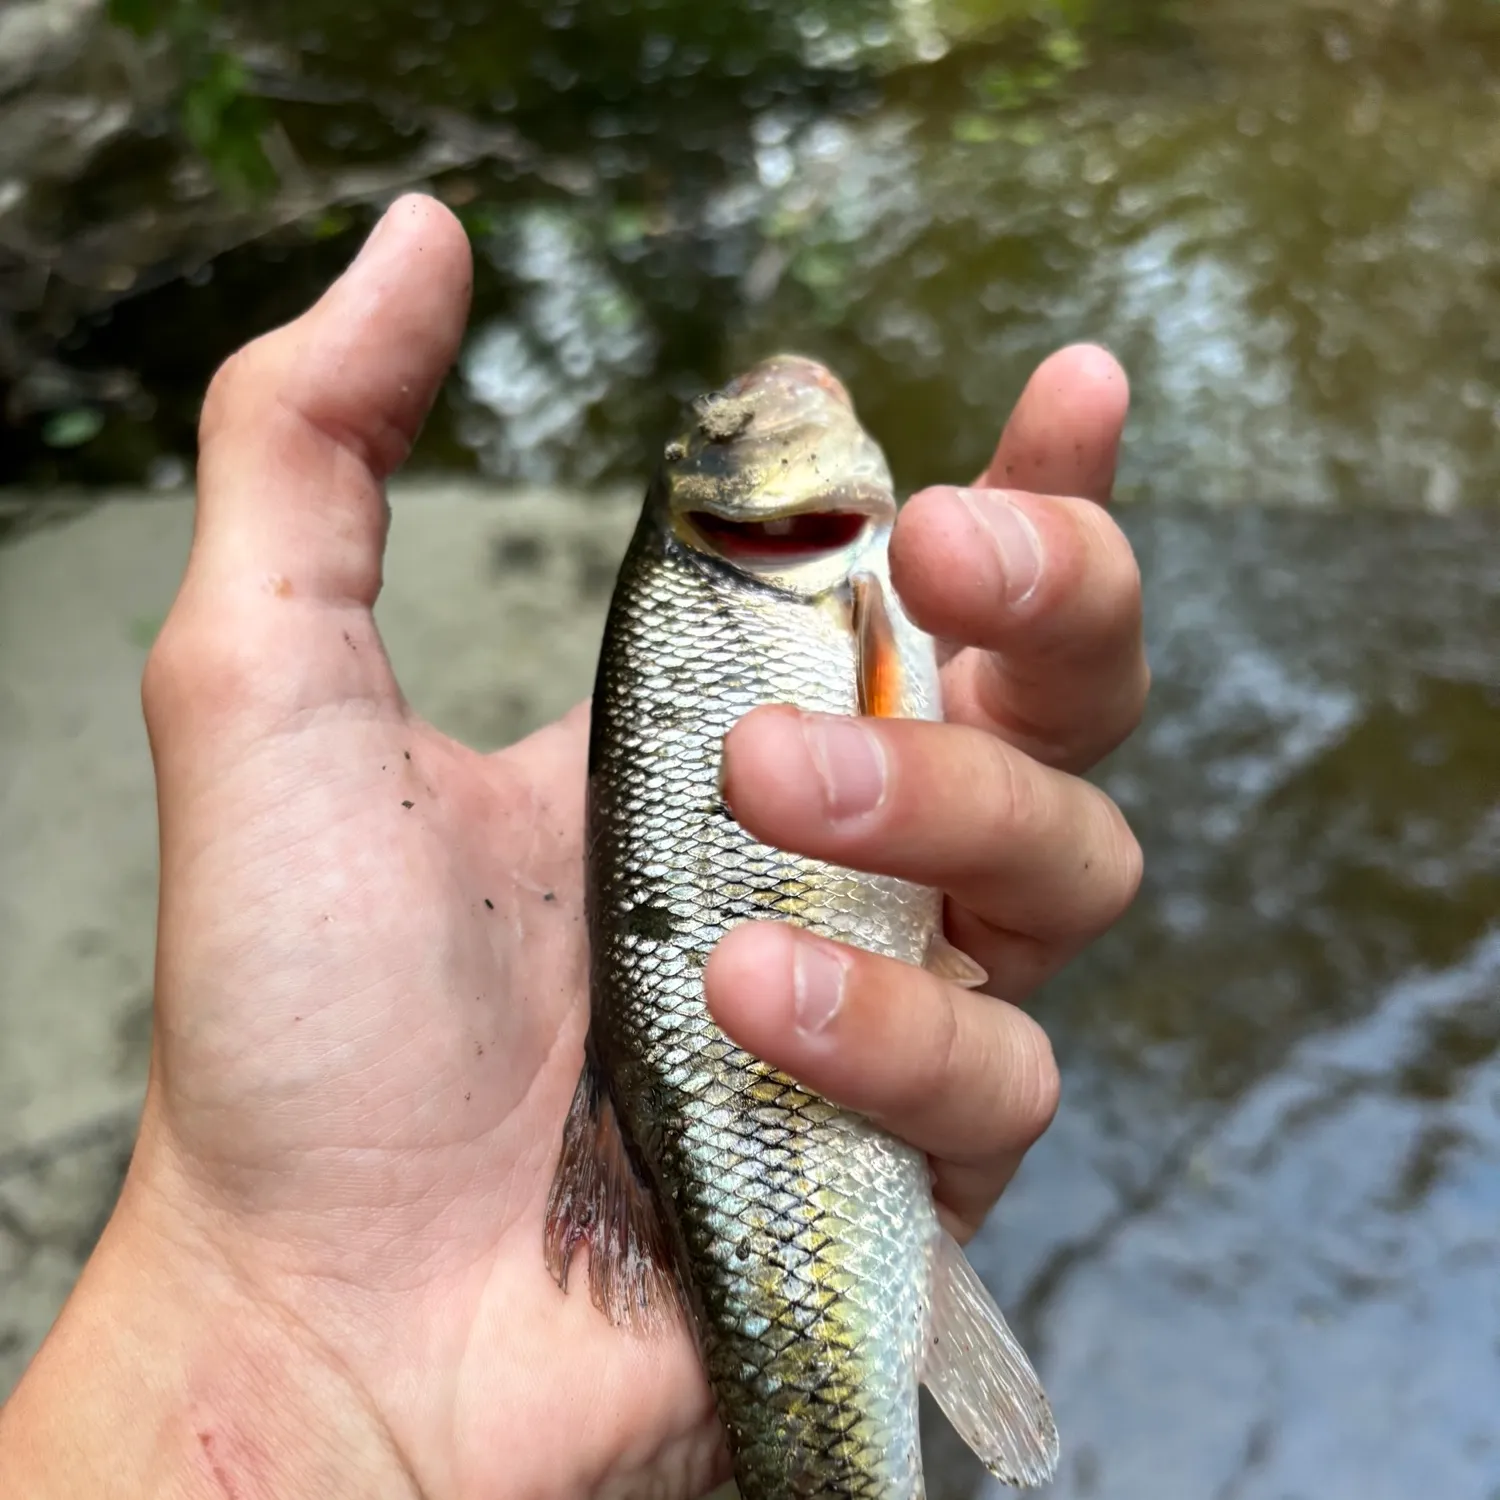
{"x": 491, "y": 612}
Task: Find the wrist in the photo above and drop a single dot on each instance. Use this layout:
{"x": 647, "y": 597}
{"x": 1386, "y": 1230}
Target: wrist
{"x": 165, "y": 1375}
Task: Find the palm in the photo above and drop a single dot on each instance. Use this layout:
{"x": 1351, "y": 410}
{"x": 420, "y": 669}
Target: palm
{"x": 417, "y": 981}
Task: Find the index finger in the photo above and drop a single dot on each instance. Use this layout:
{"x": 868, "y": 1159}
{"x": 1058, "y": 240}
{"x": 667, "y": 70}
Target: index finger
{"x": 1044, "y": 586}
{"x": 1064, "y": 436}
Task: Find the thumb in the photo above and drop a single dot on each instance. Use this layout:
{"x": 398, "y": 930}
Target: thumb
{"x": 301, "y": 428}
{"x": 299, "y": 431}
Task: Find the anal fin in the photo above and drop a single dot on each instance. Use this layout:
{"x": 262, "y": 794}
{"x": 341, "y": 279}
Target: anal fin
{"x": 599, "y": 1198}
{"x": 981, "y": 1378}
{"x": 953, "y": 964}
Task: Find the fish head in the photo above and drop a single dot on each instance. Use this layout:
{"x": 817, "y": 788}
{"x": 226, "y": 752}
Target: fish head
{"x": 775, "y": 477}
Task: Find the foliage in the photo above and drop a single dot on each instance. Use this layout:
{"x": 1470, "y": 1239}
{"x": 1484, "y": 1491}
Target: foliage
{"x": 218, "y": 111}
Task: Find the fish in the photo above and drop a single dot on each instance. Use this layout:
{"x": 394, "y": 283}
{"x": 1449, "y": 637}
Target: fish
{"x": 799, "y": 1240}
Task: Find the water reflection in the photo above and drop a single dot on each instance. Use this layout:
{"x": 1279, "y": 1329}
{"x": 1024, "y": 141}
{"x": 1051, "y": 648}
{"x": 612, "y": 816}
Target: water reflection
{"x": 532, "y": 379}
{"x": 1258, "y": 1250}
{"x": 1280, "y": 214}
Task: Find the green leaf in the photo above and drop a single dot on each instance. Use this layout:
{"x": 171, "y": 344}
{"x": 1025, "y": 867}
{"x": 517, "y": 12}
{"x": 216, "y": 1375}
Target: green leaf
{"x": 627, "y": 225}
{"x": 329, "y": 224}
{"x": 1066, "y": 49}
{"x": 226, "y": 124}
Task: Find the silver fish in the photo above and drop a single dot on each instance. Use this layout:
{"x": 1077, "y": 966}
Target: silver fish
{"x": 800, "y": 1240}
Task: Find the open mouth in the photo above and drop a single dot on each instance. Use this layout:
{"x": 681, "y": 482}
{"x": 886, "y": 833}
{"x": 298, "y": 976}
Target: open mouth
{"x": 786, "y": 539}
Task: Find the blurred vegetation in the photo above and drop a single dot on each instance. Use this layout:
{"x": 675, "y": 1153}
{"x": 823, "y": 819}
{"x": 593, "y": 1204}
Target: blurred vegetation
{"x": 221, "y": 116}
{"x": 600, "y": 55}
{"x": 1280, "y": 212}
{"x": 619, "y": 123}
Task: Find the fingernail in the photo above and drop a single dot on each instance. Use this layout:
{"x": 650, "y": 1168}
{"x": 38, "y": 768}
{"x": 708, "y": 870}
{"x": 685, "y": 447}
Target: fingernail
{"x": 850, "y": 763}
{"x": 817, "y": 985}
{"x": 1015, "y": 537}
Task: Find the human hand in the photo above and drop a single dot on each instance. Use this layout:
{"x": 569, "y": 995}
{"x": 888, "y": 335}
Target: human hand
{"x": 1036, "y": 596}
{"x": 325, "y": 1274}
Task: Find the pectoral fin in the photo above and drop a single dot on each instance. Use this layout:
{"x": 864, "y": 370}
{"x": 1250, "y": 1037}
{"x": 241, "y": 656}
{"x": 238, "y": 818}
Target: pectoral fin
{"x": 953, "y": 964}
{"x": 882, "y": 678}
{"x": 982, "y": 1379}
{"x": 600, "y": 1199}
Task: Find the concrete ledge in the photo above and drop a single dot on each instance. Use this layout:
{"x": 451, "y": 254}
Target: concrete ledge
{"x": 492, "y": 610}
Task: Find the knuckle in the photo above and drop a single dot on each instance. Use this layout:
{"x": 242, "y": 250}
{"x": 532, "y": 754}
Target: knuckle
{"x": 1137, "y": 692}
{"x": 1018, "y": 809}
{"x": 936, "y": 1063}
{"x": 1112, "y": 553}
{"x": 194, "y": 670}
{"x": 1123, "y": 867}
{"x": 234, "y": 383}
{"x": 166, "y": 666}
{"x": 1095, "y": 587}
{"x": 1035, "y": 1087}
{"x": 228, "y": 380}
{"x": 1113, "y": 582}
{"x": 1068, "y": 563}
{"x": 1118, "y": 717}
{"x": 1120, "y": 602}
{"x": 1132, "y": 870}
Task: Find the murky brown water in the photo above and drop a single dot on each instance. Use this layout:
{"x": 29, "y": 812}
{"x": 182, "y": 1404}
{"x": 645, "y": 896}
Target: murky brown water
{"x": 1258, "y": 1252}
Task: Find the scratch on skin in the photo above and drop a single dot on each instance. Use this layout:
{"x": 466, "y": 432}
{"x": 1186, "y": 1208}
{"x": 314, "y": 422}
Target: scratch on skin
{"x": 221, "y": 1475}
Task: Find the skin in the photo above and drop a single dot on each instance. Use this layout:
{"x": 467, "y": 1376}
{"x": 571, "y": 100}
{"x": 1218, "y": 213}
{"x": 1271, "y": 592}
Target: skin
{"x": 324, "y": 1276}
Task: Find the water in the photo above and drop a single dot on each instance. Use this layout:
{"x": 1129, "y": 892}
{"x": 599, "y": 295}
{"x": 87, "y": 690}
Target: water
{"x": 1281, "y": 215}
{"x": 1257, "y": 1252}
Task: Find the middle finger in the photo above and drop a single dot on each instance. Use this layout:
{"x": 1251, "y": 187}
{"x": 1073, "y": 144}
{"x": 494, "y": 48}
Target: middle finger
{"x": 1024, "y": 847}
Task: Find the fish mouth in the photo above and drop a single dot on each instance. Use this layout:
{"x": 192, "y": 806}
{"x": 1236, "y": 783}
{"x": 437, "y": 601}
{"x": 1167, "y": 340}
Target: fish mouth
{"x": 781, "y": 539}
{"x": 774, "y": 476}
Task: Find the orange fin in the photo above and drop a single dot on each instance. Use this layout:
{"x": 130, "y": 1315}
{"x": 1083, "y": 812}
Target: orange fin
{"x": 953, "y": 964}
{"x": 601, "y": 1199}
{"x": 882, "y": 679}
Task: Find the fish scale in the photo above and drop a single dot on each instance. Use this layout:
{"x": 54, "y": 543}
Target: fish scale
{"x": 801, "y": 1240}
{"x": 751, "y": 1172}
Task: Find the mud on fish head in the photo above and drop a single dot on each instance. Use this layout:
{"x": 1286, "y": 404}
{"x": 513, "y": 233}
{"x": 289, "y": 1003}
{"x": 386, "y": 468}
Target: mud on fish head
{"x": 774, "y": 476}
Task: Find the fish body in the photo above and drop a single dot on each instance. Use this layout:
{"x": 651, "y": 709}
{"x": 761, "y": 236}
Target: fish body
{"x": 801, "y": 1240}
